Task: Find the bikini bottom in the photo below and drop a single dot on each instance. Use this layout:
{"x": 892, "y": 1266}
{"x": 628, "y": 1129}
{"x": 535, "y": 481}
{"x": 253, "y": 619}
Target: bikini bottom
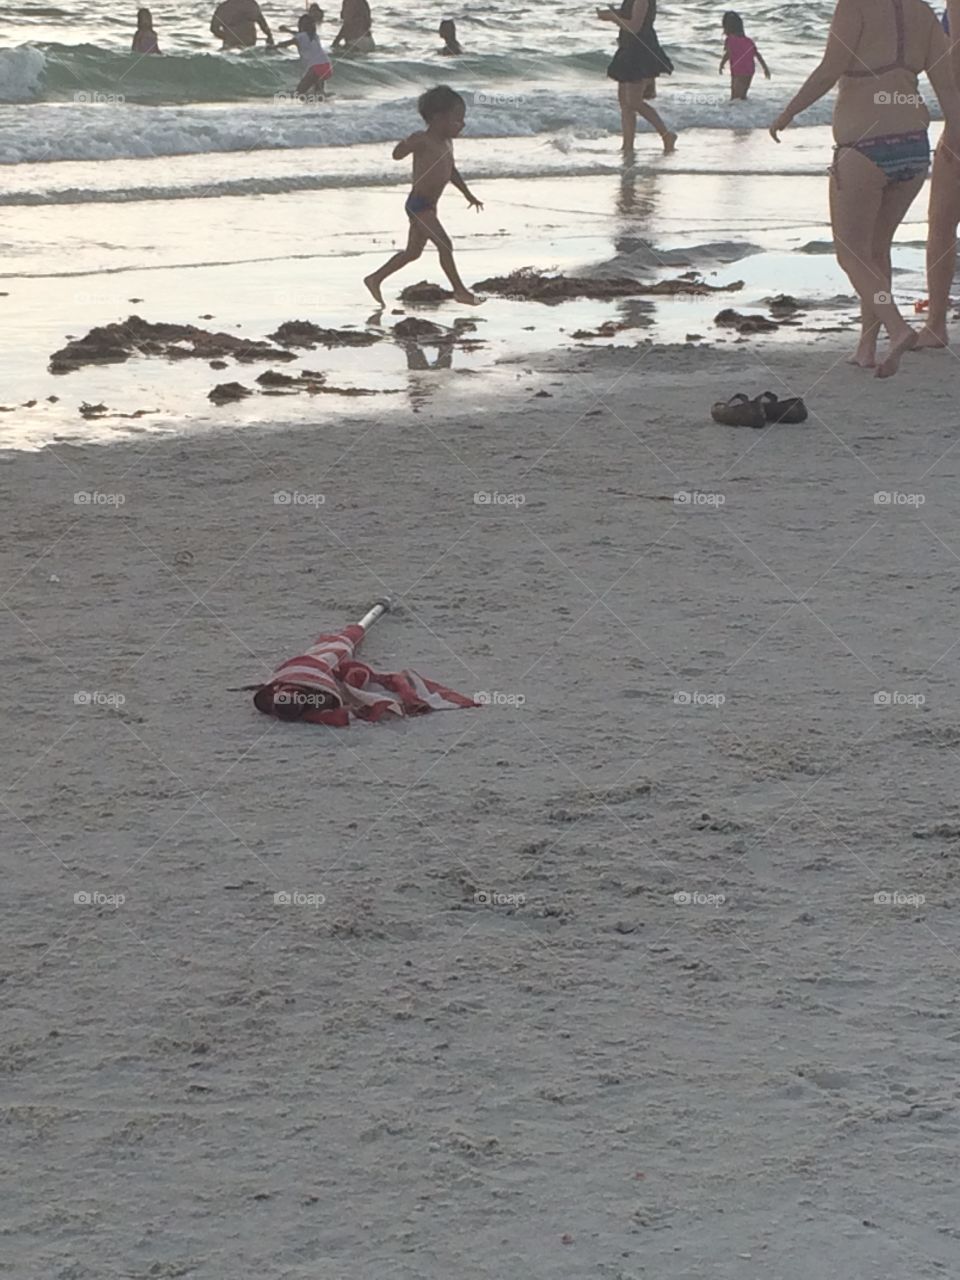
{"x": 900, "y": 157}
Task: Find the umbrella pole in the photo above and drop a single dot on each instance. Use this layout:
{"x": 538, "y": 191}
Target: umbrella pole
{"x": 377, "y": 611}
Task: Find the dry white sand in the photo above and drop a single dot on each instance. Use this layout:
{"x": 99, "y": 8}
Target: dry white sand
{"x": 603, "y": 1082}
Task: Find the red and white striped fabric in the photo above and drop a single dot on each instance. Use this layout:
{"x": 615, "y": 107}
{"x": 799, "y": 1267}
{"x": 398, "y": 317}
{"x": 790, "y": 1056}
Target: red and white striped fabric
{"x": 328, "y": 685}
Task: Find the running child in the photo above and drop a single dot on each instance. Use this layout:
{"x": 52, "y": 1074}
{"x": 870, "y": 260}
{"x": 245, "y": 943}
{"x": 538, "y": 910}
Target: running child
{"x": 314, "y": 58}
{"x": 443, "y": 111}
{"x": 145, "y": 38}
{"x": 740, "y": 52}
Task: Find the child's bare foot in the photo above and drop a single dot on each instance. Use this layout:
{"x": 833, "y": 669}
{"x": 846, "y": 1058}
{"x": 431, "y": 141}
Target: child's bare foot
{"x": 373, "y": 284}
{"x": 669, "y": 143}
{"x": 889, "y": 365}
{"x": 466, "y": 297}
{"x": 933, "y": 337}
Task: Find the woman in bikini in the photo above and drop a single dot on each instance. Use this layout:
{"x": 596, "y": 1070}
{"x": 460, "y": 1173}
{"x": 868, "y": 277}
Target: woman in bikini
{"x": 874, "y": 53}
{"x": 944, "y": 211}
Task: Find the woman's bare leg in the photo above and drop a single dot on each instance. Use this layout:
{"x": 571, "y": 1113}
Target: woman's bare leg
{"x": 941, "y": 246}
{"x": 651, "y": 115}
{"x": 857, "y": 190}
{"x": 896, "y": 199}
{"x": 628, "y": 118}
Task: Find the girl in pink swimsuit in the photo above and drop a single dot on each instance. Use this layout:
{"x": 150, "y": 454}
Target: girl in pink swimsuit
{"x": 742, "y": 54}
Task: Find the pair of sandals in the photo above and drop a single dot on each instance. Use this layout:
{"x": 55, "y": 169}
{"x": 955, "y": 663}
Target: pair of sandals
{"x": 741, "y": 411}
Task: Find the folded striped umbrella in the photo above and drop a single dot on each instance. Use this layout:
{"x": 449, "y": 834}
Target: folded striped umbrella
{"x": 328, "y": 684}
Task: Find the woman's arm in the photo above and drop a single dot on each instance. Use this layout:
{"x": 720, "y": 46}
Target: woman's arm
{"x": 766, "y": 69}
{"x": 941, "y": 75}
{"x": 633, "y": 23}
{"x": 845, "y": 31}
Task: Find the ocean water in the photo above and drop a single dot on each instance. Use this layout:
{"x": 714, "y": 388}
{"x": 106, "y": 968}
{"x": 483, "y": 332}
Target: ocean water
{"x": 71, "y": 91}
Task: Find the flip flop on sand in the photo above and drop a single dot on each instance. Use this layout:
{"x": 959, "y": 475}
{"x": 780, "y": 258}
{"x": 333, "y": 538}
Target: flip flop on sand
{"x": 790, "y": 410}
{"x": 739, "y": 411}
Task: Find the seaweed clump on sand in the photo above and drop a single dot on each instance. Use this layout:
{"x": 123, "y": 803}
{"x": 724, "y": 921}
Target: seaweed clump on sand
{"x": 115, "y": 343}
{"x": 424, "y": 291}
{"x": 303, "y": 333}
{"x": 730, "y": 319}
{"x": 530, "y": 285}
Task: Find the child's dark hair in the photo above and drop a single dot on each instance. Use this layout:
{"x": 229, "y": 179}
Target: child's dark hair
{"x": 316, "y": 13}
{"x": 308, "y": 25}
{"x": 732, "y": 23}
{"x": 448, "y": 28}
{"x": 144, "y": 18}
{"x": 438, "y": 101}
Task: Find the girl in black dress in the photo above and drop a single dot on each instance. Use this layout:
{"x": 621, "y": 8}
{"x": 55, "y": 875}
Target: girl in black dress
{"x": 637, "y": 62}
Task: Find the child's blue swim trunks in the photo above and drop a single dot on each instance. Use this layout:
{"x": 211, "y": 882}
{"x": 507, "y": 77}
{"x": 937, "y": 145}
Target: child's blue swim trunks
{"x": 417, "y": 204}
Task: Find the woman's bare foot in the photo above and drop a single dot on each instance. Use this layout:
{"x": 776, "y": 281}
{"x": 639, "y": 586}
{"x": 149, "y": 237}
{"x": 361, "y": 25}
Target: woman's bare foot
{"x": 865, "y": 355}
{"x": 373, "y": 284}
{"x": 466, "y": 297}
{"x": 889, "y": 365}
{"x": 669, "y": 143}
{"x": 933, "y": 337}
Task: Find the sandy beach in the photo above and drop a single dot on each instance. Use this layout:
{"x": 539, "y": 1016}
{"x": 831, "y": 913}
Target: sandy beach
{"x": 684, "y": 630}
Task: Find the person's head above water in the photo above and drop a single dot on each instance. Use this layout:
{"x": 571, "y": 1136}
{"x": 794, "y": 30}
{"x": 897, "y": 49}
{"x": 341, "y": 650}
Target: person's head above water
{"x": 144, "y": 20}
{"x": 443, "y": 109}
{"x": 316, "y": 13}
{"x": 448, "y": 34}
{"x": 307, "y": 24}
{"x": 732, "y": 23}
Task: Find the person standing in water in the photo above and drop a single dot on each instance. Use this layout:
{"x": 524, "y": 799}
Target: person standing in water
{"x": 235, "y": 22}
{"x": 448, "y": 34}
{"x": 638, "y": 60}
{"x": 355, "y": 23}
{"x": 314, "y": 59}
{"x": 875, "y": 51}
{"x": 742, "y": 54}
{"x": 944, "y": 211}
{"x": 145, "y": 38}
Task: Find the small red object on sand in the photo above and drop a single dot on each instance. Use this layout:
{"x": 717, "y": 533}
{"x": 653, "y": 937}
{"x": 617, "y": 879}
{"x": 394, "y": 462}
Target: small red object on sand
{"x": 566, "y": 1238}
{"x": 921, "y": 305}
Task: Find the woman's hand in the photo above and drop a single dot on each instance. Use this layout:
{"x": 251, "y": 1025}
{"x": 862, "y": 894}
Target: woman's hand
{"x": 783, "y": 121}
{"x": 766, "y": 72}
